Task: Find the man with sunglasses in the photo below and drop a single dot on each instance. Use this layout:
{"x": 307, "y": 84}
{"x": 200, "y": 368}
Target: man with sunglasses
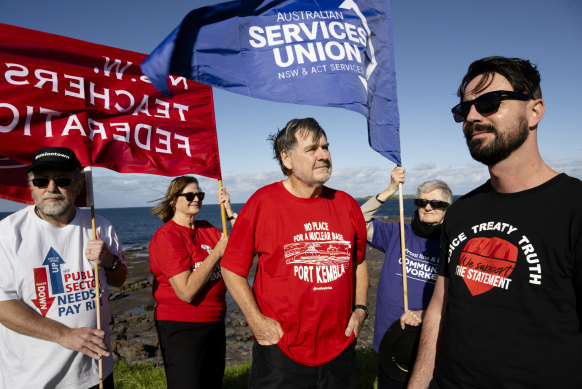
{"x": 48, "y": 319}
{"x": 507, "y": 305}
{"x": 422, "y": 254}
{"x": 308, "y": 301}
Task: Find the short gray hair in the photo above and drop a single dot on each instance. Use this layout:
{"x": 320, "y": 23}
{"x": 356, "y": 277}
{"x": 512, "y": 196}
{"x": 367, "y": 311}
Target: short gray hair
{"x": 431, "y": 185}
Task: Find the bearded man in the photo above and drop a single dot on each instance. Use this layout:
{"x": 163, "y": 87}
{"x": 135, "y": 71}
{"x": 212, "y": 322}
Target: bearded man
{"x": 48, "y": 322}
{"x": 507, "y": 304}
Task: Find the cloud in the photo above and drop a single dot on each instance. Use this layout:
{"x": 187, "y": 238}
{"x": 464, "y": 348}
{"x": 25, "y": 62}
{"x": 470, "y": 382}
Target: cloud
{"x": 139, "y": 190}
{"x": 135, "y": 190}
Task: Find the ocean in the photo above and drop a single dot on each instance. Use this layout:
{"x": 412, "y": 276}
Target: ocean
{"x": 136, "y": 226}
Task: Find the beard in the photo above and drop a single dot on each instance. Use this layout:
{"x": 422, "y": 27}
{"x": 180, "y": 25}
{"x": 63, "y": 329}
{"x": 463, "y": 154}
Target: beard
{"x": 500, "y": 147}
{"x": 54, "y": 208}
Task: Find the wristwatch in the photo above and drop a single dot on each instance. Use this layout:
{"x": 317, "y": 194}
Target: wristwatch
{"x": 234, "y": 216}
{"x": 360, "y": 306}
{"x": 114, "y": 265}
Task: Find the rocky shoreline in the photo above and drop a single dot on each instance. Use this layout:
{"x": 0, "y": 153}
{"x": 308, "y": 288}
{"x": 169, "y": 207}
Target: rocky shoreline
{"x": 133, "y": 333}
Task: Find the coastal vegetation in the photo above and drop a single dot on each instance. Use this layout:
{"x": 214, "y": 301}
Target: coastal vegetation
{"x": 393, "y": 197}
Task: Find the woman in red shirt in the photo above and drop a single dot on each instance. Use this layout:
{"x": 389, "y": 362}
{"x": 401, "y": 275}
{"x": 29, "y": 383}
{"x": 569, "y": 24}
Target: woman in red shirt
{"x": 188, "y": 287}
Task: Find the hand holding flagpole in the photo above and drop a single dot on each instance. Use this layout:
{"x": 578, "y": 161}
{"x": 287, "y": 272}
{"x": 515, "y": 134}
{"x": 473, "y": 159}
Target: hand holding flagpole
{"x": 91, "y": 203}
{"x": 223, "y": 212}
{"x": 402, "y": 247}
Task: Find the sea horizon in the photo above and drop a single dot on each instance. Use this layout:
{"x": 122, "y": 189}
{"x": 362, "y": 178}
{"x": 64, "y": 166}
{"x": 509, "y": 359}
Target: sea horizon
{"x": 135, "y": 226}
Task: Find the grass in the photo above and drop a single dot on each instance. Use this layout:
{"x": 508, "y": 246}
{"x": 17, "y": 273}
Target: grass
{"x": 149, "y": 376}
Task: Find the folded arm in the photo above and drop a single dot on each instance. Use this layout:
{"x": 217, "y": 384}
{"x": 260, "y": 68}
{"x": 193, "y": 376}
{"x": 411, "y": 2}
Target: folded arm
{"x": 188, "y": 283}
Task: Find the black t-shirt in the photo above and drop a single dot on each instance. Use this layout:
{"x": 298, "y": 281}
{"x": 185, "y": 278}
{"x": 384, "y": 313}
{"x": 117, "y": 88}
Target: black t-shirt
{"x": 514, "y": 264}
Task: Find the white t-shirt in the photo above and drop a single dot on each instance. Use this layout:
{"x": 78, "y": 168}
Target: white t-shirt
{"x": 46, "y": 268}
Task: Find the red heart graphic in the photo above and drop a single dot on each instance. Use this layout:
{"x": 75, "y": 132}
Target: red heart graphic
{"x": 485, "y": 263}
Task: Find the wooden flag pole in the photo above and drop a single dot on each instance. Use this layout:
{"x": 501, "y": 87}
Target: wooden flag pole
{"x": 91, "y": 203}
{"x": 222, "y": 212}
{"x": 403, "y": 253}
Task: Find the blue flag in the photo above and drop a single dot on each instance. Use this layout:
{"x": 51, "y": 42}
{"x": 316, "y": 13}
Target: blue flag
{"x": 335, "y": 53}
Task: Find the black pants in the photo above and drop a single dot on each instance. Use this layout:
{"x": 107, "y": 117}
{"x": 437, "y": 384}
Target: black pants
{"x": 193, "y": 353}
{"x": 273, "y": 369}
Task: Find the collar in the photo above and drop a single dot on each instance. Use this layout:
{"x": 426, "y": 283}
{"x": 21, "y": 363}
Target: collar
{"x": 424, "y": 230}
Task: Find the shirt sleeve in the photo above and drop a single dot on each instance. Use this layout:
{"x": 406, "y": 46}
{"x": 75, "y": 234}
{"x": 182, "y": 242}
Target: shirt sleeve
{"x": 109, "y": 236}
{"x": 240, "y": 251}
{"x": 7, "y": 278}
{"x": 9, "y": 243}
{"x": 170, "y": 253}
{"x": 361, "y": 232}
{"x": 383, "y": 233}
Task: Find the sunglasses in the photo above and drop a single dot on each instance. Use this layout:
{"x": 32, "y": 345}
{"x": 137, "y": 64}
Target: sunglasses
{"x": 190, "y": 196}
{"x": 486, "y": 103}
{"x": 62, "y": 182}
{"x": 435, "y": 204}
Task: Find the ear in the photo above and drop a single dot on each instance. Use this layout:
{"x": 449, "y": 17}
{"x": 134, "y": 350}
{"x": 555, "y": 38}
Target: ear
{"x": 536, "y": 112}
{"x": 286, "y": 159}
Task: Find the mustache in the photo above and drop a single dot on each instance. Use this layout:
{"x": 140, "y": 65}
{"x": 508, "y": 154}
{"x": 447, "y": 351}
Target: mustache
{"x": 324, "y": 163}
{"x": 53, "y": 196}
{"x": 470, "y": 128}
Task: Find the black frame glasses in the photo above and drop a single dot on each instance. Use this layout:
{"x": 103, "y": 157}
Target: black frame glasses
{"x": 435, "y": 204}
{"x": 486, "y": 103}
{"x": 61, "y": 182}
{"x": 190, "y": 196}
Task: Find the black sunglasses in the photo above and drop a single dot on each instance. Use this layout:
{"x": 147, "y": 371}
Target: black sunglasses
{"x": 486, "y": 103}
{"x": 190, "y": 196}
{"x": 436, "y": 204}
{"x": 62, "y": 182}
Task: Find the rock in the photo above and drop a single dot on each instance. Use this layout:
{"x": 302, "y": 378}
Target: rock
{"x": 134, "y": 337}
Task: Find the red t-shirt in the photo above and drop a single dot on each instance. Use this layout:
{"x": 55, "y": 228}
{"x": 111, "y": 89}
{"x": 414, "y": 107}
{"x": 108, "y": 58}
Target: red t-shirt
{"x": 175, "y": 249}
{"x": 305, "y": 273}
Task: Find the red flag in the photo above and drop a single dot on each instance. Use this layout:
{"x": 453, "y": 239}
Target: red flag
{"x": 13, "y": 181}
{"x": 59, "y": 91}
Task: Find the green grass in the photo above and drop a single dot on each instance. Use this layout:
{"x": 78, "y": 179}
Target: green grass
{"x": 149, "y": 376}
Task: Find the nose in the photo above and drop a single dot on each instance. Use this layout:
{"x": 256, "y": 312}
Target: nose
{"x": 52, "y": 187}
{"x": 322, "y": 154}
{"x": 473, "y": 114}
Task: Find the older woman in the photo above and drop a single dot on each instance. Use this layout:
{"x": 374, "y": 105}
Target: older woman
{"x": 188, "y": 287}
{"x": 422, "y": 254}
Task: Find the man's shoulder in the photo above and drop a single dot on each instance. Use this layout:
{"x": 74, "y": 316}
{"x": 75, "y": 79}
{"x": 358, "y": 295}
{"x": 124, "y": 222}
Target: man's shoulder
{"x": 266, "y": 192}
{"x": 16, "y": 217}
{"x": 339, "y": 195}
{"x": 573, "y": 182}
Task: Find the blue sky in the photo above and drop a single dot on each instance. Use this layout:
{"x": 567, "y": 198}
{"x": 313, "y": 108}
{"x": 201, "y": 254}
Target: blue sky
{"x": 434, "y": 44}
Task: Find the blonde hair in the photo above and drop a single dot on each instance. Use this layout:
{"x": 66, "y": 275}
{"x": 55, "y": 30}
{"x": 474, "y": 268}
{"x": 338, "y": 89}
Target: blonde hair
{"x": 165, "y": 210}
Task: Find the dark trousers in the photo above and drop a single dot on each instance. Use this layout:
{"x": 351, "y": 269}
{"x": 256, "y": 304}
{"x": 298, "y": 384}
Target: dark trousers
{"x": 273, "y": 369}
{"x": 107, "y": 383}
{"x": 193, "y": 353}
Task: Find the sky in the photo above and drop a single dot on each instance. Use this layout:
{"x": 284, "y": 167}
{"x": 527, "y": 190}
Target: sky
{"x": 435, "y": 41}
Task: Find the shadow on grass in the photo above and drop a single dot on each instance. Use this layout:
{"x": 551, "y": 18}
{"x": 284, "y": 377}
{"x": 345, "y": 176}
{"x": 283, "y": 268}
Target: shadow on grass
{"x": 235, "y": 377}
{"x": 366, "y": 368}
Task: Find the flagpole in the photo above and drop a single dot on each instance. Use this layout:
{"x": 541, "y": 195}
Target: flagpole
{"x": 403, "y": 253}
{"x": 91, "y": 203}
{"x": 222, "y": 212}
